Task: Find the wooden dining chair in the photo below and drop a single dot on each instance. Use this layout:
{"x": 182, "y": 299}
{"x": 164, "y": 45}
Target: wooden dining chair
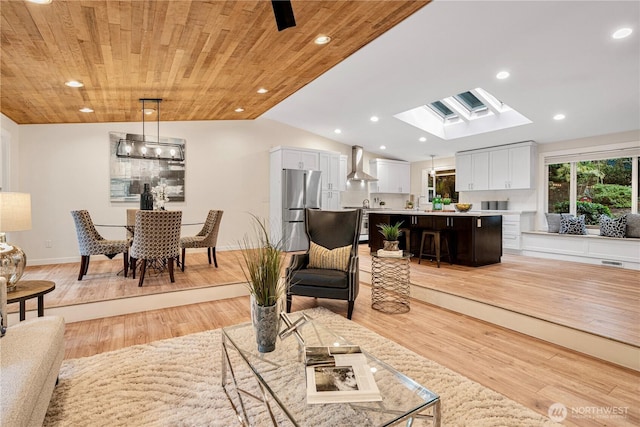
{"x": 156, "y": 238}
{"x": 206, "y": 238}
{"x": 91, "y": 242}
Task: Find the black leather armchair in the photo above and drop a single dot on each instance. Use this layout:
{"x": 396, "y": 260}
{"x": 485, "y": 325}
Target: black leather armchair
{"x": 331, "y": 230}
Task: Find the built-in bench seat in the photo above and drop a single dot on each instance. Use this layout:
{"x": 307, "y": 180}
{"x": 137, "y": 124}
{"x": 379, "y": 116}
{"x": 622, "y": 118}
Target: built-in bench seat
{"x": 588, "y": 248}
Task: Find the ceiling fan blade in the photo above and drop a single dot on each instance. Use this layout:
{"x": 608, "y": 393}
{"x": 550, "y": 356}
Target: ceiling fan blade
{"x": 283, "y": 12}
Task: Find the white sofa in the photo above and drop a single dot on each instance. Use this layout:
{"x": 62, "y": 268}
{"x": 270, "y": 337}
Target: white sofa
{"x": 31, "y": 353}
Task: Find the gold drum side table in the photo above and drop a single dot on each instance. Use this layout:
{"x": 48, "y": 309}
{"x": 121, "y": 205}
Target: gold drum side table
{"x": 390, "y": 286}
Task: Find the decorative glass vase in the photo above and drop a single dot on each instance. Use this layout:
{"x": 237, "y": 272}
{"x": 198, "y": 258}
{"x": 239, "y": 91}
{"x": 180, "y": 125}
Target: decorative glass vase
{"x": 146, "y": 199}
{"x": 266, "y": 323}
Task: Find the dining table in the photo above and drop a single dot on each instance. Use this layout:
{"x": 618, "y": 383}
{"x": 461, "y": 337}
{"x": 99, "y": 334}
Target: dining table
{"x": 130, "y": 227}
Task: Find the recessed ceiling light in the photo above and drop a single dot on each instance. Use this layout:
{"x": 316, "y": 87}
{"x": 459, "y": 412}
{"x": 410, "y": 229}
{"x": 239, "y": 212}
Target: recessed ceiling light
{"x": 622, "y": 33}
{"x": 337, "y": 131}
{"x": 422, "y": 139}
{"x": 374, "y": 118}
{"x": 322, "y": 39}
{"x": 502, "y": 75}
{"x": 383, "y": 147}
{"x": 74, "y": 83}
{"x": 86, "y": 110}
{"x": 40, "y": 1}
{"x": 263, "y": 90}
{"x": 239, "y": 110}
{"x": 559, "y": 117}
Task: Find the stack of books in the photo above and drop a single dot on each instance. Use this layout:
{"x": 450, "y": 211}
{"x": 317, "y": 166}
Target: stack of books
{"x": 339, "y": 374}
{"x": 390, "y": 254}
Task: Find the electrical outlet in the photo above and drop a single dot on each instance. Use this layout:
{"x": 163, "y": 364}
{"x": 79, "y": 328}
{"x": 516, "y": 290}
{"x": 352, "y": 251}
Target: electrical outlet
{"x": 48, "y": 244}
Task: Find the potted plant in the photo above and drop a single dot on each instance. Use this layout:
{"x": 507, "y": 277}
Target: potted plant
{"x": 446, "y": 203}
{"x": 391, "y": 234}
{"x": 262, "y": 265}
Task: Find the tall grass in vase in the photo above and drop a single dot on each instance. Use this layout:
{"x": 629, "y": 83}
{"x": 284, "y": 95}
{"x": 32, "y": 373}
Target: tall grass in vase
{"x": 263, "y": 261}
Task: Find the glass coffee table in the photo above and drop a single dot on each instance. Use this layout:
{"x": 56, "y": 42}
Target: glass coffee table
{"x": 280, "y": 376}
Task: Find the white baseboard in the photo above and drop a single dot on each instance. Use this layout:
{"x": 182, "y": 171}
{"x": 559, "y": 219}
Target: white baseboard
{"x": 136, "y": 304}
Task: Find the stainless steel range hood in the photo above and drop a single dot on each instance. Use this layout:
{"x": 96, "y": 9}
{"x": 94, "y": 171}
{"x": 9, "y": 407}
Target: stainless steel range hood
{"x": 357, "y": 161}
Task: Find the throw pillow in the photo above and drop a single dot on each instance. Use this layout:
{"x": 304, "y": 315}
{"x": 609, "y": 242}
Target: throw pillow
{"x": 572, "y": 225}
{"x": 553, "y": 221}
{"x": 633, "y": 225}
{"x": 334, "y": 259}
{"x": 613, "y": 227}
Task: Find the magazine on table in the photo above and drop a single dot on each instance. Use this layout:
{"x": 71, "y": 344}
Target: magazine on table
{"x": 338, "y": 375}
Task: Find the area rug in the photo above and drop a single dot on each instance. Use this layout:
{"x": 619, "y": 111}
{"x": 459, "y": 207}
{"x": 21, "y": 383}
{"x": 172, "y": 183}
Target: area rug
{"x": 177, "y": 382}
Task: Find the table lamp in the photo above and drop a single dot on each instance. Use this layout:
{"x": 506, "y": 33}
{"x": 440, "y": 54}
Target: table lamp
{"x": 15, "y": 215}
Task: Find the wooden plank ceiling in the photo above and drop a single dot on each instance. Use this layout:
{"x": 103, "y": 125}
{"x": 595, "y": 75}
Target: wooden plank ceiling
{"x": 203, "y": 58}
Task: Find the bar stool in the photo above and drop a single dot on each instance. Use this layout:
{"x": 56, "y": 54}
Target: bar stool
{"x": 407, "y": 237}
{"x": 437, "y": 237}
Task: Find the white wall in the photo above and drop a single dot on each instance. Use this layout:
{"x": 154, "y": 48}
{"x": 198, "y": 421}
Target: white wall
{"x": 590, "y": 142}
{"x": 9, "y": 135}
{"x": 66, "y": 167}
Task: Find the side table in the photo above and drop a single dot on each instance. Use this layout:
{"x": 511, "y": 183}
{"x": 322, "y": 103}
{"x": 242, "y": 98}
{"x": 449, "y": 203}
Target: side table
{"x": 27, "y": 289}
{"x": 390, "y": 286}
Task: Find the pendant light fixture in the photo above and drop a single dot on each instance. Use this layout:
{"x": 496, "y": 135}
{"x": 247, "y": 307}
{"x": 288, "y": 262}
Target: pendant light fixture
{"x": 432, "y": 172}
{"x": 149, "y": 147}
{"x": 145, "y": 112}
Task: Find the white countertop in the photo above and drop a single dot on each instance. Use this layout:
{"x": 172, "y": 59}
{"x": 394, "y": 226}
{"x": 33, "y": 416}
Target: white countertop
{"x": 438, "y": 213}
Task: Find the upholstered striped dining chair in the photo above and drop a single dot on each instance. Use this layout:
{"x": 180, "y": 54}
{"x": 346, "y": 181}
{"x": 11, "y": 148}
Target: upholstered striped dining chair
{"x": 91, "y": 242}
{"x": 206, "y": 238}
{"x": 156, "y": 238}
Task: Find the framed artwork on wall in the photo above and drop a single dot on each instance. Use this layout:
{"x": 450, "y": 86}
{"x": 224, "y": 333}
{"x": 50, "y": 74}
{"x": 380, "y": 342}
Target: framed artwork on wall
{"x": 136, "y": 160}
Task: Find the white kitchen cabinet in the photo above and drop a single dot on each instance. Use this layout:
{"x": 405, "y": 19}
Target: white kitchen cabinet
{"x": 522, "y": 166}
{"x": 496, "y": 168}
{"x": 299, "y": 159}
{"x": 512, "y": 167}
{"x": 330, "y": 200}
{"x": 472, "y": 171}
{"x": 330, "y": 167}
{"x": 513, "y": 224}
{"x": 394, "y": 176}
{"x": 342, "y": 174}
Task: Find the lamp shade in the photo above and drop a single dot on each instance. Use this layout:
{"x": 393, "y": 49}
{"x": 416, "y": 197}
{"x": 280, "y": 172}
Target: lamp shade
{"x": 15, "y": 211}
{"x": 15, "y": 215}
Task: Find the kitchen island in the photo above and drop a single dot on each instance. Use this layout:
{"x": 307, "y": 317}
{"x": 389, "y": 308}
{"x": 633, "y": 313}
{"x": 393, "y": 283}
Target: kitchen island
{"x": 475, "y": 238}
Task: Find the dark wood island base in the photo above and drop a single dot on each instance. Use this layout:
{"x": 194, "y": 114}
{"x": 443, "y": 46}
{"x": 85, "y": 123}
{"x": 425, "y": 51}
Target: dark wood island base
{"x": 475, "y": 238}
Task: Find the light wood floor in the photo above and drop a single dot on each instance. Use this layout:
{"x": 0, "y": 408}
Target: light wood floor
{"x": 600, "y": 300}
{"x": 105, "y": 280}
{"x": 529, "y": 371}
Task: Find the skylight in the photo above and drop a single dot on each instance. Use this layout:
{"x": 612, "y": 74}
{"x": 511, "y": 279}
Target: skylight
{"x": 467, "y": 113}
{"x": 470, "y": 101}
{"x": 442, "y": 110}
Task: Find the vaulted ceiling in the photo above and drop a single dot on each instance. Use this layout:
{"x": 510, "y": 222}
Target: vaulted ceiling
{"x": 206, "y": 58}
{"x": 203, "y": 58}
{"x": 561, "y": 56}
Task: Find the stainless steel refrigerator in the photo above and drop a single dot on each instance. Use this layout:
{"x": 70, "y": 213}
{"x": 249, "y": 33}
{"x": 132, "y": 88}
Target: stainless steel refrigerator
{"x": 300, "y": 189}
